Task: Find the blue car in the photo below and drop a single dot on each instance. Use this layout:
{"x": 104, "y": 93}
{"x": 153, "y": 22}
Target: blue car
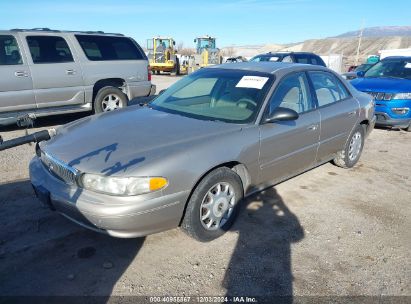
{"x": 389, "y": 82}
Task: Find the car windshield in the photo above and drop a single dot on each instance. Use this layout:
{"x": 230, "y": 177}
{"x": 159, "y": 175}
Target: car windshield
{"x": 363, "y": 67}
{"x": 393, "y": 68}
{"x": 233, "y": 96}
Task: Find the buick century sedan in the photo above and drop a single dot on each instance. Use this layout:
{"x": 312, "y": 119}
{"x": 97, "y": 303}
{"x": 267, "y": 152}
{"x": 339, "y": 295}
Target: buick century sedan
{"x": 191, "y": 155}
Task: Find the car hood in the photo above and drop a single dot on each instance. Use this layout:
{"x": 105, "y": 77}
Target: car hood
{"x": 386, "y": 85}
{"x": 117, "y": 143}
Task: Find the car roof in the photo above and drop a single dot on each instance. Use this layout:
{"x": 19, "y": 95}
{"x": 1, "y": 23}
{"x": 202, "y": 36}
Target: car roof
{"x": 286, "y": 53}
{"x": 397, "y": 57}
{"x": 50, "y": 31}
{"x": 268, "y": 67}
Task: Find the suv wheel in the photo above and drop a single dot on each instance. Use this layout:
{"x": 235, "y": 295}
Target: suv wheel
{"x": 351, "y": 153}
{"x": 109, "y": 99}
{"x": 213, "y": 206}
{"x": 408, "y": 129}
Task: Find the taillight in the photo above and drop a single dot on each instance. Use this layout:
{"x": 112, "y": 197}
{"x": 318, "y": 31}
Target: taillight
{"x": 148, "y": 73}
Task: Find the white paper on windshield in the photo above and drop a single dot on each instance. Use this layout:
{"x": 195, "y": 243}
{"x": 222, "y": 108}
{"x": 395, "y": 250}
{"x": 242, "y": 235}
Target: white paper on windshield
{"x": 252, "y": 82}
{"x": 408, "y": 65}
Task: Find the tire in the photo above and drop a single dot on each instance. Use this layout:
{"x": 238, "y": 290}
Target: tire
{"x": 176, "y": 69}
{"x": 109, "y": 99}
{"x": 349, "y": 156}
{"x": 408, "y": 129}
{"x": 231, "y": 193}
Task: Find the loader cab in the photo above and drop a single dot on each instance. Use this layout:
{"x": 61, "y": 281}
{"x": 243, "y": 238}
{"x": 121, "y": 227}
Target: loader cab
{"x": 205, "y": 42}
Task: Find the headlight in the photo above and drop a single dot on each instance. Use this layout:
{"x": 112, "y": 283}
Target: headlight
{"x": 402, "y": 96}
{"x": 123, "y": 186}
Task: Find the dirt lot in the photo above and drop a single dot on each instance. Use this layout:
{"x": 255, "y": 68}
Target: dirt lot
{"x": 327, "y": 232}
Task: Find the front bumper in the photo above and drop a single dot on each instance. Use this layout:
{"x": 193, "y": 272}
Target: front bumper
{"x": 123, "y": 217}
{"x": 385, "y": 120}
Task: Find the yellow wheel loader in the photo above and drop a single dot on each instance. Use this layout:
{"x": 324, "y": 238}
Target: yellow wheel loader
{"x": 206, "y": 54}
{"x": 162, "y": 55}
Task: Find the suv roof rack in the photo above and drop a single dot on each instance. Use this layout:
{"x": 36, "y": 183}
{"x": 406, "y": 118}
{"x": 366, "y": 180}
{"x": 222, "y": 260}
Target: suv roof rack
{"x": 46, "y": 29}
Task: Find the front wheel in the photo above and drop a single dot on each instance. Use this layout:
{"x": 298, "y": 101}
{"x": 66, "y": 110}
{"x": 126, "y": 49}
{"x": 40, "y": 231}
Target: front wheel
{"x": 351, "y": 153}
{"x": 408, "y": 129}
{"x": 213, "y": 205}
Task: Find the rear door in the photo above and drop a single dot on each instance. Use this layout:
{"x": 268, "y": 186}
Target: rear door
{"x": 289, "y": 147}
{"x": 339, "y": 112}
{"x": 57, "y": 77}
{"x": 16, "y": 87}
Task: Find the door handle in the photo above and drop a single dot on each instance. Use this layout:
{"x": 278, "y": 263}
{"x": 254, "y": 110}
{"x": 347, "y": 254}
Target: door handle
{"x": 70, "y": 72}
{"x": 21, "y": 74}
{"x": 352, "y": 113}
{"x": 312, "y": 127}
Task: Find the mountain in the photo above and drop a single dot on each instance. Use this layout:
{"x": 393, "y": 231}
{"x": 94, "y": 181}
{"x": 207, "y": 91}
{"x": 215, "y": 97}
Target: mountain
{"x": 374, "y": 39}
{"x": 379, "y": 31}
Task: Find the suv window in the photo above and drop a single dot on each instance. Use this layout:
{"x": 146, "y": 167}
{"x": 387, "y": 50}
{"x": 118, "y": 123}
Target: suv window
{"x": 328, "y": 88}
{"x": 301, "y": 58}
{"x": 49, "y": 49}
{"x": 101, "y": 48}
{"x": 292, "y": 93}
{"x": 9, "y": 51}
{"x": 317, "y": 60}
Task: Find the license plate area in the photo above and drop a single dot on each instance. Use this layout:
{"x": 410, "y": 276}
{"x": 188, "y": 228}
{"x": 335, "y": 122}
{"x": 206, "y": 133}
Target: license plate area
{"x": 44, "y": 196}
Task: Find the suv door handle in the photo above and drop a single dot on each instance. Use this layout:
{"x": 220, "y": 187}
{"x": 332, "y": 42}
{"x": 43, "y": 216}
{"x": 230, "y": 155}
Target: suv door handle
{"x": 313, "y": 127}
{"x": 352, "y": 113}
{"x": 21, "y": 74}
{"x": 70, "y": 72}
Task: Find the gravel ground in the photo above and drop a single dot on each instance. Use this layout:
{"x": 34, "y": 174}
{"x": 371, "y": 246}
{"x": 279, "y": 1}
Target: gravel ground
{"x": 327, "y": 232}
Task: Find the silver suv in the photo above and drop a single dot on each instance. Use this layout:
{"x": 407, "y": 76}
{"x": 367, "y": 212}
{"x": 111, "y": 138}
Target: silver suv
{"x": 49, "y": 72}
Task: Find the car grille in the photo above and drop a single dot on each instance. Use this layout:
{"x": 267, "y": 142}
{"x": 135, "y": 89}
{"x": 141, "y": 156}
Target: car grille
{"x": 381, "y": 95}
{"x": 59, "y": 169}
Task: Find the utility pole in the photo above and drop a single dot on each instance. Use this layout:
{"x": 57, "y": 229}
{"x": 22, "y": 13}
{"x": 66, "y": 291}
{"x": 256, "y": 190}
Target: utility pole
{"x": 359, "y": 43}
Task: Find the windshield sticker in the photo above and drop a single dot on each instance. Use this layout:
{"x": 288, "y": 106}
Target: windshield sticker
{"x": 408, "y": 65}
{"x": 252, "y": 82}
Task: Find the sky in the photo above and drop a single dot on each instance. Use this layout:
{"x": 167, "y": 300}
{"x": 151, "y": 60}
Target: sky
{"x": 241, "y": 22}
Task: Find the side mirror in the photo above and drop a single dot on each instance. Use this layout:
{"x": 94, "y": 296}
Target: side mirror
{"x": 281, "y": 114}
{"x": 174, "y": 43}
{"x": 195, "y": 40}
{"x": 360, "y": 74}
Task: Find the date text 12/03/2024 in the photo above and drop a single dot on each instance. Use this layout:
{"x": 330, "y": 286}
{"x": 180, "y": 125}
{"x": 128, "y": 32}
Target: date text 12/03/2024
{"x": 202, "y": 299}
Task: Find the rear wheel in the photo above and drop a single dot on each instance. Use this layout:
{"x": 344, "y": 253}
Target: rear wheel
{"x": 408, "y": 129}
{"x": 213, "y": 205}
{"x": 109, "y": 99}
{"x": 351, "y": 153}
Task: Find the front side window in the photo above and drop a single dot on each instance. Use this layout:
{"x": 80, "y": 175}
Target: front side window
{"x": 9, "y": 51}
{"x": 393, "y": 68}
{"x": 328, "y": 88}
{"x": 49, "y": 49}
{"x": 292, "y": 93}
{"x": 232, "y": 96}
{"x": 102, "y": 48}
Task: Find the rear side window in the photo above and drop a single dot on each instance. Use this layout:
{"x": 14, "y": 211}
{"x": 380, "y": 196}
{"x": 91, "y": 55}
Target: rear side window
{"x": 328, "y": 88}
{"x": 102, "y": 48}
{"x": 300, "y": 58}
{"x": 9, "y": 51}
{"x": 49, "y": 49}
{"x": 317, "y": 61}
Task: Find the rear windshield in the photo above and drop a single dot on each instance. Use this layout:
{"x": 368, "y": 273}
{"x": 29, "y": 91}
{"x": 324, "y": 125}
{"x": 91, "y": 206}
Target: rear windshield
{"x": 102, "y": 48}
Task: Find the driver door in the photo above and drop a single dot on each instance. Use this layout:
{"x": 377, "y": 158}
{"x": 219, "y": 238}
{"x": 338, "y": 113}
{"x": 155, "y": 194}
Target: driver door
{"x": 289, "y": 147}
